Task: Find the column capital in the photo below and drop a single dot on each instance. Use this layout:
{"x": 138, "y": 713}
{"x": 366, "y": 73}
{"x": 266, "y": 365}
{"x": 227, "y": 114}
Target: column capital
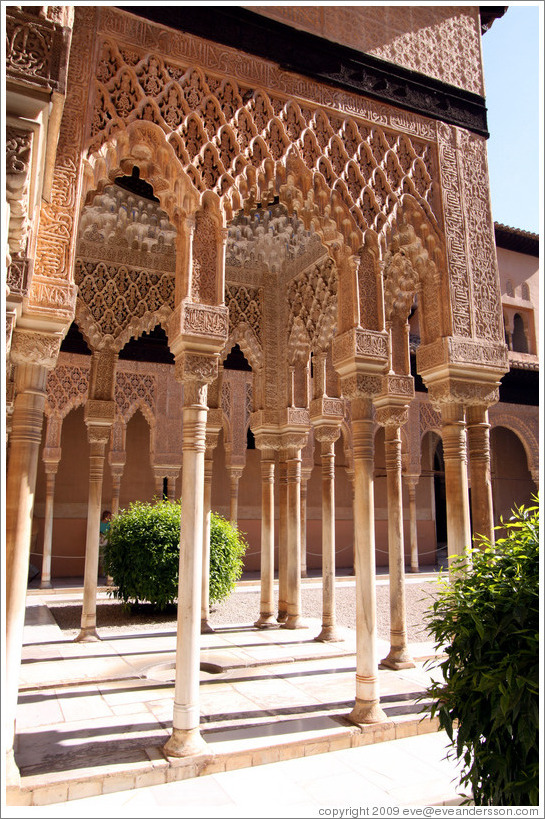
{"x": 327, "y": 433}
{"x": 31, "y": 347}
{"x": 392, "y": 415}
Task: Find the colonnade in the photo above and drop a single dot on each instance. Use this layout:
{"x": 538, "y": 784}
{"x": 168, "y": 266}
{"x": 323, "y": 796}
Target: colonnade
{"x": 465, "y": 433}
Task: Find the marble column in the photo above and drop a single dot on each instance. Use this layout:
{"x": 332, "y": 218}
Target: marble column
{"x": 266, "y": 607}
{"x": 478, "y": 442}
{"x": 211, "y": 442}
{"x": 282, "y": 536}
{"x": 117, "y": 474}
{"x": 412, "y": 482}
{"x": 456, "y": 485}
{"x": 293, "y": 539}
{"x": 398, "y": 656}
{"x": 367, "y": 706}
{"x": 25, "y": 437}
{"x": 158, "y": 478}
{"x": 305, "y": 475}
{"x": 327, "y": 437}
{"x": 51, "y": 460}
{"x": 186, "y": 738}
{"x": 99, "y": 419}
{"x": 98, "y": 436}
{"x": 235, "y": 474}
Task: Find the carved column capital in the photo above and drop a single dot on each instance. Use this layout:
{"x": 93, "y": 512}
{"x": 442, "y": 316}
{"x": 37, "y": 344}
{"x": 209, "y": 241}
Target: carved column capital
{"x": 392, "y": 416}
{"x": 31, "y": 347}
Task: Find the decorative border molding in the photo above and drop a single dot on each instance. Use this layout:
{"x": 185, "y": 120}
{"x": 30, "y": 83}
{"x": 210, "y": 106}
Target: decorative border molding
{"x": 337, "y": 65}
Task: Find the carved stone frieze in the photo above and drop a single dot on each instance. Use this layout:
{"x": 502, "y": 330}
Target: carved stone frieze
{"x": 18, "y": 275}
{"x": 312, "y": 300}
{"x": 36, "y": 50}
{"x": 18, "y": 160}
{"x": 31, "y": 347}
{"x": 100, "y": 413}
{"x": 245, "y": 305}
{"x": 202, "y": 325}
{"x": 460, "y": 352}
{"x": 326, "y": 410}
{"x": 361, "y": 350}
{"x": 50, "y": 297}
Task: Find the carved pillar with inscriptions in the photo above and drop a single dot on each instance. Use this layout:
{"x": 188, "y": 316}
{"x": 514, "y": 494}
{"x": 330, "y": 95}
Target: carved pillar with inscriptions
{"x": 33, "y": 353}
{"x": 99, "y": 418}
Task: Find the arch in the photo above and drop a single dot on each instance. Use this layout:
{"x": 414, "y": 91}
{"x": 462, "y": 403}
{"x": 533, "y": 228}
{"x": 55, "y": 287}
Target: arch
{"x": 528, "y": 436}
{"x": 244, "y": 336}
{"x": 512, "y": 477}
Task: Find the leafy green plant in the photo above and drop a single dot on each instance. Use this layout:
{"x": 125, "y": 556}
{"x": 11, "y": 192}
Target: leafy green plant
{"x": 486, "y": 619}
{"x": 143, "y": 547}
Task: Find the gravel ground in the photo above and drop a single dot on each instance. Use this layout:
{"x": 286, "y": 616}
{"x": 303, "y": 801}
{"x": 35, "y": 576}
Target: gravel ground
{"x": 242, "y": 607}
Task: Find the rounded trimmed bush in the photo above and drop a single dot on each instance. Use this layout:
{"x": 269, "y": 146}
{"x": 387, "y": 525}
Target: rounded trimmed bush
{"x": 142, "y": 554}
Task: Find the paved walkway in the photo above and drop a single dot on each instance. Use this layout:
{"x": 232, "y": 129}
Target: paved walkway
{"x": 93, "y": 718}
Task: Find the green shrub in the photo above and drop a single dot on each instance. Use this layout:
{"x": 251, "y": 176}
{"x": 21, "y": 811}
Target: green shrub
{"x": 487, "y": 619}
{"x": 143, "y": 548}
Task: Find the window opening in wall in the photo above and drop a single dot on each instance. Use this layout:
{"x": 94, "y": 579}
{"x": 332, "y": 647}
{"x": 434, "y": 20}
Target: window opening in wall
{"x": 509, "y": 288}
{"x": 520, "y": 342}
{"x": 165, "y": 488}
{"x": 250, "y": 439}
{"x": 525, "y": 291}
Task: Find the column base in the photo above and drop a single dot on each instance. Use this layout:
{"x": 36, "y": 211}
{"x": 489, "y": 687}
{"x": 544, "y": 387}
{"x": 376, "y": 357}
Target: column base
{"x": 185, "y": 742}
{"x": 282, "y": 616}
{"x": 87, "y": 635}
{"x": 294, "y": 621}
{"x": 414, "y": 569}
{"x": 329, "y": 634}
{"x": 397, "y": 659}
{"x": 206, "y": 628}
{"x": 304, "y": 573}
{"x": 46, "y": 584}
{"x": 366, "y": 712}
{"x": 13, "y": 775}
{"x": 266, "y": 621}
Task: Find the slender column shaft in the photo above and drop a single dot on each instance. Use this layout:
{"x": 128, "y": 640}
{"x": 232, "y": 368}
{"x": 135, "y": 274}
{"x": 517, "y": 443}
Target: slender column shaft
{"x": 233, "y": 500}
{"x": 158, "y": 477}
{"x": 293, "y": 573}
{"x": 98, "y": 437}
{"x": 478, "y": 441}
{"x": 171, "y": 488}
{"x": 303, "y": 527}
{"x": 116, "y": 491}
{"x": 398, "y": 656}
{"x": 282, "y": 538}
{"x": 367, "y": 706}
{"x": 186, "y": 738}
{"x": 455, "y": 456}
{"x": 266, "y": 608}
{"x": 412, "y": 521}
{"x": 207, "y": 511}
{"x": 26, "y": 432}
{"x": 51, "y": 472}
{"x": 329, "y": 627}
